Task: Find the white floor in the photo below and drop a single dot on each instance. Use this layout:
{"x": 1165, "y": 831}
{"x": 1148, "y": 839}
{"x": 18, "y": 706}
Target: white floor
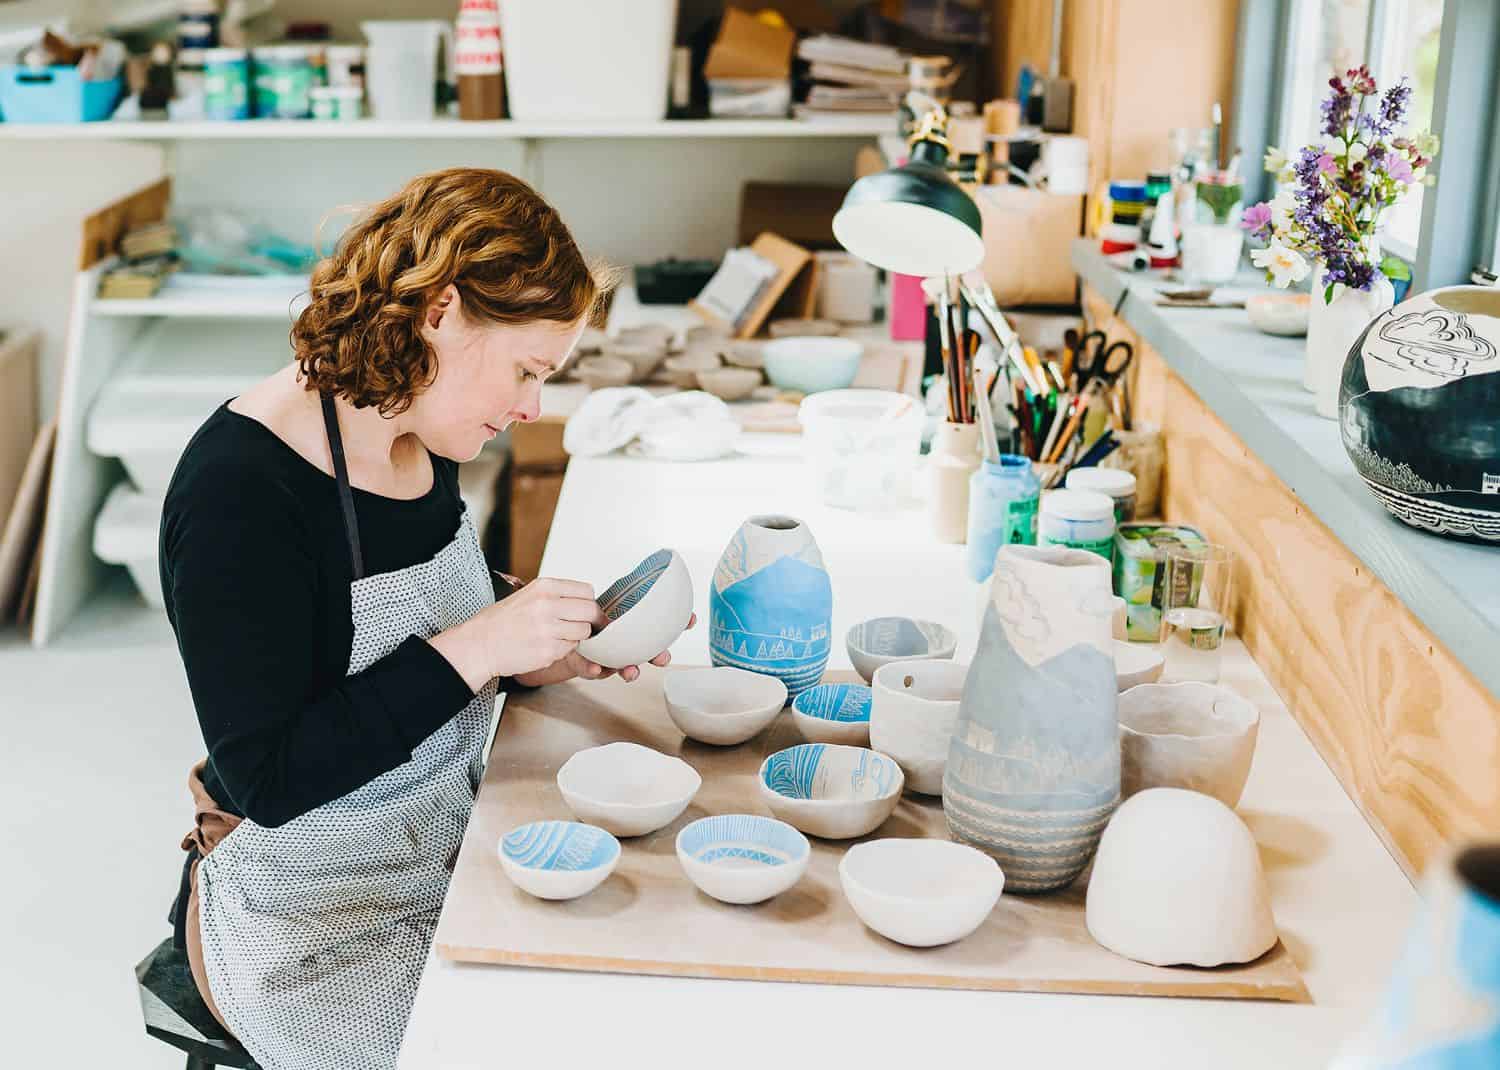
{"x": 96, "y": 737}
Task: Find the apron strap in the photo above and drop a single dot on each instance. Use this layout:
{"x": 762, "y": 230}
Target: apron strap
{"x": 346, "y": 494}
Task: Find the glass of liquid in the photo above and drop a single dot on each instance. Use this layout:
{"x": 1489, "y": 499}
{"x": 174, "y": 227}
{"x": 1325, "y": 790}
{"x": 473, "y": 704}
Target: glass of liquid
{"x": 1195, "y": 610}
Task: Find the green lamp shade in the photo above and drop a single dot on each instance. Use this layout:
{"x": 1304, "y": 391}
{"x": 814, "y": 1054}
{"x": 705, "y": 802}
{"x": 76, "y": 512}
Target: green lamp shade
{"x": 913, "y": 220}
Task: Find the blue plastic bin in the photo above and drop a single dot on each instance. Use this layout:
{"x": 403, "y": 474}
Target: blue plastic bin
{"x": 54, "y": 95}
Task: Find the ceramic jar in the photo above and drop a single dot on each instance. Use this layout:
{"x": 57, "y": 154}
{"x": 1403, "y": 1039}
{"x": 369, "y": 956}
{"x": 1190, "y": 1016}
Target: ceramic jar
{"x": 1033, "y": 769}
{"x": 912, "y": 714}
{"x": 1333, "y": 329}
{"x": 955, "y": 458}
{"x": 1419, "y": 411}
{"x": 770, "y": 606}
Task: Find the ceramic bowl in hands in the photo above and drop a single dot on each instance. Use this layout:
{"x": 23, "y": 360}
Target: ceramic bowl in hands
{"x": 729, "y": 384}
{"x": 742, "y": 858}
{"x": 722, "y": 705}
{"x": 913, "y": 715}
{"x": 1190, "y": 735}
{"x": 804, "y": 328}
{"x": 647, "y": 610}
{"x": 643, "y": 359}
{"x": 601, "y": 372}
{"x": 558, "y": 859}
{"x": 811, "y": 365}
{"x": 831, "y": 791}
{"x": 1279, "y": 313}
{"x": 683, "y": 370}
{"x": 626, "y": 788}
{"x": 834, "y": 713}
{"x": 1137, "y": 663}
{"x": 920, "y": 892}
{"x": 882, "y": 640}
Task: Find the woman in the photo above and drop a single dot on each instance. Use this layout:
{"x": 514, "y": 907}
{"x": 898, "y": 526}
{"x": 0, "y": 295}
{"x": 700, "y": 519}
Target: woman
{"x": 337, "y": 620}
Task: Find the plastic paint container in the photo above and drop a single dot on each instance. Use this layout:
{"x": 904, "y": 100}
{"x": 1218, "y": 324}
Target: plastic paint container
{"x": 226, "y": 83}
{"x": 1114, "y": 483}
{"x": 1003, "y": 499}
{"x": 337, "y": 102}
{"x": 346, "y": 66}
{"x": 1140, "y": 575}
{"x": 283, "y": 82}
{"x": 1081, "y": 519}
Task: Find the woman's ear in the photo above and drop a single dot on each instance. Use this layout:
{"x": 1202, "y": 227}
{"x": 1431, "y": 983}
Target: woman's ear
{"x": 446, "y": 303}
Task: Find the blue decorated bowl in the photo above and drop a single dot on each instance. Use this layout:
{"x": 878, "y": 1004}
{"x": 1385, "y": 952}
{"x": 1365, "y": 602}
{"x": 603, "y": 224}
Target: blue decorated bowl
{"x": 742, "y": 858}
{"x": 558, "y": 859}
{"x": 834, "y": 713}
{"x": 882, "y": 640}
{"x": 836, "y": 792}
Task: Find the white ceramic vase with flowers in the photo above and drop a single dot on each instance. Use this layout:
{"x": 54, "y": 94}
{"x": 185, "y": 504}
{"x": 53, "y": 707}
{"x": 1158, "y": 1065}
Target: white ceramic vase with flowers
{"x": 1327, "y": 216}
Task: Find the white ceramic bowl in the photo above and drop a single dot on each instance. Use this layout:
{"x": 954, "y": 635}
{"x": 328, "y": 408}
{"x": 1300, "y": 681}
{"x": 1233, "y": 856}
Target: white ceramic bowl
{"x": 626, "y": 788}
{"x": 834, "y": 713}
{"x": 744, "y": 354}
{"x": 811, "y": 365}
{"x": 683, "y": 370}
{"x": 1190, "y": 735}
{"x": 558, "y": 859}
{"x": 602, "y": 372}
{"x": 643, "y": 358}
{"x": 742, "y": 858}
{"x": 729, "y": 384}
{"x": 656, "y": 335}
{"x": 1277, "y": 313}
{"x": 722, "y": 705}
{"x": 920, "y": 892}
{"x": 882, "y": 640}
{"x": 913, "y": 715}
{"x": 831, "y": 791}
{"x": 1137, "y": 663}
{"x": 647, "y": 610}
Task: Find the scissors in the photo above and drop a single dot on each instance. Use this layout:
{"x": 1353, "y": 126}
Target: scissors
{"x": 1101, "y": 363}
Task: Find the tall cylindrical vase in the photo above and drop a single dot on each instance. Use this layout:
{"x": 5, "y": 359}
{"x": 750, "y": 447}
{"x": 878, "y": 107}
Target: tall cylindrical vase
{"x": 1332, "y": 330}
{"x": 955, "y": 457}
{"x": 770, "y": 607}
{"x": 1033, "y": 769}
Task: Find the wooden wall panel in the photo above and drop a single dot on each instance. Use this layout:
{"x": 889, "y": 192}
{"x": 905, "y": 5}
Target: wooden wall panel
{"x": 1412, "y": 736}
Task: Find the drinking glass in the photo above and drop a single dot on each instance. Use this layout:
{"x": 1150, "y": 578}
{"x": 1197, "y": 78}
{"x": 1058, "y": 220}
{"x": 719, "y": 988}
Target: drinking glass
{"x": 1195, "y": 610}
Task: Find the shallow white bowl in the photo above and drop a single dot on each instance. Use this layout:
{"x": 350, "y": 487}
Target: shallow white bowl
{"x": 602, "y": 372}
{"x": 1277, "y": 313}
{"x": 834, "y": 713}
{"x": 626, "y": 788}
{"x": 683, "y": 370}
{"x": 722, "y": 705}
{"x": 831, "y": 791}
{"x": 742, "y": 858}
{"x": 920, "y": 892}
{"x": 1137, "y": 663}
{"x": 647, "y": 610}
{"x": 558, "y": 859}
{"x": 1189, "y": 735}
{"x": 882, "y": 640}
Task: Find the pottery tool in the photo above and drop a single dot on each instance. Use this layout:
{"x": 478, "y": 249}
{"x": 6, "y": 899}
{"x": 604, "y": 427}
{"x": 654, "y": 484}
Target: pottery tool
{"x": 986, "y": 368}
{"x": 1069, "y": 431}
{"x": 1100, "y": 366}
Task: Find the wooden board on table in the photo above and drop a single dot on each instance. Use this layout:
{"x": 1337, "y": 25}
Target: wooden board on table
{"x": 648, "y": 918}
{"x": 103, "y": 230}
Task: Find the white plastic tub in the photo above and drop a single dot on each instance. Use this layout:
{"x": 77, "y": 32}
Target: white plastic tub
{"x": 401, "y": 65}
{"x": 125, "y": 533}
{"x": 863, "y": 445}
{"x": 580, "y": 60}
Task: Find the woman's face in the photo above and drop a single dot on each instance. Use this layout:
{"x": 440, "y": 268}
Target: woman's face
{"x": 489, "y": 375}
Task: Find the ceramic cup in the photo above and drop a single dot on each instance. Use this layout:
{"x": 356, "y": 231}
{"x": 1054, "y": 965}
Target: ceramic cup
{"x": 1190, "y": 735}
{"x": 1136, "y": 664}
{"x": 558, "y": 859}
{"x": 912, "y": 717}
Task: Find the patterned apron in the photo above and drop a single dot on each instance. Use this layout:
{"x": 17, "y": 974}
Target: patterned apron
{"x": 315, "y": 932}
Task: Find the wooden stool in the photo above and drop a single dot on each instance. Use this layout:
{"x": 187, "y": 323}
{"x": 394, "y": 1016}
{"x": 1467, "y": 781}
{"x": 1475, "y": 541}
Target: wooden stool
{"x": 175, "y": 1012}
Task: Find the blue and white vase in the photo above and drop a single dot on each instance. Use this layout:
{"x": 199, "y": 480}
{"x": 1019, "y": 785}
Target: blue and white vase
{"x": 1033, "y": 769}
{"x": 770, "y": 609}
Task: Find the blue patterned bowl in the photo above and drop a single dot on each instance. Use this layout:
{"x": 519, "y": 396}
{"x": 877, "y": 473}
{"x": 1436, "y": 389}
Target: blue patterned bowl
{"x": 558, "y": 859}
{"x": 834, "y": 713}
{"x": 882, "y": 640}
{"x": 831, "y": 791}
{"x": 647, "y": 610}
{"x": 742, "y": 858}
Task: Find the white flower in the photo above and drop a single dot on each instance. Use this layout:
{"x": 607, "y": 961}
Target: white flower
{"x": 1275, "y": 160}
{"x": 1286, "y": 266}
{"x": 1283, "y": 205}
{"x": 1358, "y": 151}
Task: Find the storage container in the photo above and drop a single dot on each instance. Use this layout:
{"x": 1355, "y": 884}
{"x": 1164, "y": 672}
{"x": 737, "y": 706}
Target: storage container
{"x": 226, "y": 83}
{"x": 863, "y": 445}
{"x": 1113, "y": 483}
{"x": 1081, "y": 519}
{"x": 54, "y": 95}
{"x": 401, "y": 66}
{"x": 125, "y": 533}
{"x": 582, "y": 60}
{"x": 283, "y": 82}
{"x": 1003, "y": 497}
{"x": 1140, "y": 552}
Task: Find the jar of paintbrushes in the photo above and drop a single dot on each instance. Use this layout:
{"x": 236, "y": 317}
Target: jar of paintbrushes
{"x": 957, "y": 449}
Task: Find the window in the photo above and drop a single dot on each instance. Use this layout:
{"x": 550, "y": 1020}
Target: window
{"x": 1409, "y": 45}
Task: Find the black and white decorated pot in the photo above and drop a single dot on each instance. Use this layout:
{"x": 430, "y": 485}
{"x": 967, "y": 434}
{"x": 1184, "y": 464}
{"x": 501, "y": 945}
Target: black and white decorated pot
{"x": 1419, "y": 411}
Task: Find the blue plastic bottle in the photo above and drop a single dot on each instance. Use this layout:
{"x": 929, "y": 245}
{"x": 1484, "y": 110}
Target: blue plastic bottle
{"x": 1003, "y": 499}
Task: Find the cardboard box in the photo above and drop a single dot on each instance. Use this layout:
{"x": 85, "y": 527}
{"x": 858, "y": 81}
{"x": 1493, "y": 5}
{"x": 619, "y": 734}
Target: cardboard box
{"x": 1027, "y": 237}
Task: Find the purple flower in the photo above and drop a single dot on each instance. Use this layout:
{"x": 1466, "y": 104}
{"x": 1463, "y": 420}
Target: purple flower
{"x": 1257, "y": 217}
{"x": 1393, "y": 105}
{"x": 1337, "y": 109}
{"x": 1399, "y": 169}
{"x": 1327, "y": 164}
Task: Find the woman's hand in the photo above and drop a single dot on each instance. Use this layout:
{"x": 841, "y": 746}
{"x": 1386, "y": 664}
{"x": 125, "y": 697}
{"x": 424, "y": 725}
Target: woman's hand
{"x": 532, "y": 630}
{"x": 575, "y": 665}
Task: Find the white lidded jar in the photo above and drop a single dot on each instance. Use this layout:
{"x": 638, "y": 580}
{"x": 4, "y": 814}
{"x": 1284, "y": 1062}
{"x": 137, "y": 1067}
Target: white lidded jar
{"x": 1081, "y": 519}
{"x": 1114, "y": 483}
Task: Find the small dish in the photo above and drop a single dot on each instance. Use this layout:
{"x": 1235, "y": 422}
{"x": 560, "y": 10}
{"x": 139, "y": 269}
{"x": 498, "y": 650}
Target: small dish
{"x": 744, "y": 354}
{"x": 1137, "y": 663}
{"x": 683, "y": 370}
{"x": 655, "y": 335}
{"x": 811, "y": 365}
{"x": 913, "y": 715}
{"x": 831, "y": 791}
{"x": 701, "y": 334}
{"x": 834, "y": 713}
{"x": 643, "y": 359}
{"x": 1280, "y": 314}
{"x": 722, "y": 705}
{"x": 1189, "y": 735}
{"x": 921, "y": 893}
{"x": 558, "y": 859}
{"x": 742, "y": 858}
{"x": 602, "y": 372}
{"x": 647, "y": 610}
{"x": 804, "y": 328}
{"x": 627, "y": 789}
{"x": 729, "y": 384}
{"x": 882, "y": 640}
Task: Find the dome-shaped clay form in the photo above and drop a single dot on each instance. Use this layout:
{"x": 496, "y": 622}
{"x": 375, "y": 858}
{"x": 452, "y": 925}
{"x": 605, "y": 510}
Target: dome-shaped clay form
{"x": 1177, "y": 881}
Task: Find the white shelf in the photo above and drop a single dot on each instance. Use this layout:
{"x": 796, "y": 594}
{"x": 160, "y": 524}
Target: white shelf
{"x": 228, "y": 302}
{"x": 441, "y": 129}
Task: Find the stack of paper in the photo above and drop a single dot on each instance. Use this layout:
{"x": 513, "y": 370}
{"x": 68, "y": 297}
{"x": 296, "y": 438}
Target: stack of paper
{"x": 852, "y": 77}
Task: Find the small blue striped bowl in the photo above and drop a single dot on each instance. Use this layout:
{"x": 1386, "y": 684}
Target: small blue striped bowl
{"x": 742, "y": 858}
{"x": 558, "y": 859}
{"x": 834, "y": 713}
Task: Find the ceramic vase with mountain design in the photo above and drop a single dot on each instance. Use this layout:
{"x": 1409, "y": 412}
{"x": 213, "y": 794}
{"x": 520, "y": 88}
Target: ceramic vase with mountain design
{"x": 1033, "y": 770}
{"x": 770, "y": 607}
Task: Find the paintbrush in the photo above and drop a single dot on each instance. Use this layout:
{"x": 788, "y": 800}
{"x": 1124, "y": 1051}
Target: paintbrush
{"x": 1068, "y": 432}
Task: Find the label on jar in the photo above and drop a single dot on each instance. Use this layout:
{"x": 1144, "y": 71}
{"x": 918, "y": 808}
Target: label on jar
{"x": 1020, "y": 521}
{"x": 1105, "y": 548}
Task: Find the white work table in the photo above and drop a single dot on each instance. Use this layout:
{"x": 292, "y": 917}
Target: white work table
{"x": 1341, "y": 902}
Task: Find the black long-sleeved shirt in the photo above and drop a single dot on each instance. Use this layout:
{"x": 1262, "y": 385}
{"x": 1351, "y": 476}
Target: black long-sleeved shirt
{"x": 255, "y": 567}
